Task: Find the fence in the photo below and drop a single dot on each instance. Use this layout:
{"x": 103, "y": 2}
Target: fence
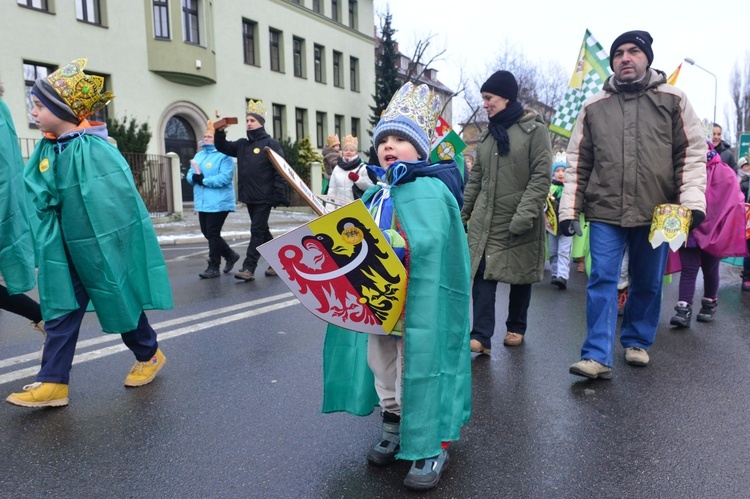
{"x": 153, "y": 178}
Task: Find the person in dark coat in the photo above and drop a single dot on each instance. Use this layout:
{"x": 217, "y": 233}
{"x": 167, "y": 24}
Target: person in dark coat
{"x": 260, "y": 186}
{"x": 723, "y": 147}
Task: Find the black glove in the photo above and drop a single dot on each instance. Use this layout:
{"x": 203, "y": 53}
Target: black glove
{"x": 569, "y": 228}
{"x": 698, "y": 217}
{"x": 198, "y": 178}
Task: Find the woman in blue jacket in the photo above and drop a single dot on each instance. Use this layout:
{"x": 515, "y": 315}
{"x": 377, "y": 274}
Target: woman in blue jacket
{"x": 211, "y": 175}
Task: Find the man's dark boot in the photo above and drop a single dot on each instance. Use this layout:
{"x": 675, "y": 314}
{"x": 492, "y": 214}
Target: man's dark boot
{"x": 230, "y": 262}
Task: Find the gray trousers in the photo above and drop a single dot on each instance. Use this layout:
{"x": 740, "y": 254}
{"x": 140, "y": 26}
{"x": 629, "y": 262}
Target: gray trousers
{"x": 385, "y": 356}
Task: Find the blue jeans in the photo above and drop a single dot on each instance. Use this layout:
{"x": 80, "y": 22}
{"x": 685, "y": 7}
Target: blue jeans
{"x": 641, "y": 317}
{"x": 62, "y": 336}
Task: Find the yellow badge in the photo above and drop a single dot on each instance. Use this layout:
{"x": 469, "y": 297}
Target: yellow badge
{"x": 208, "y": 165}
{"x": 352, "y": 234}
{"x": 256, "y": 150}
{"x": 44, "y": 165}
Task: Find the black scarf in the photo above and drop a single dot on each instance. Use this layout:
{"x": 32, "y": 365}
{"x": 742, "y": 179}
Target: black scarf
{"x": 257, "y": 134}
{"x": 500, "y": 123}
{"x": 348, "y": 165}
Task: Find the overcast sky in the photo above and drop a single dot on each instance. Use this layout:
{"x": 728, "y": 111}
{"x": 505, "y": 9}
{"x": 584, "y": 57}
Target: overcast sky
{"x": 473, "y": 31}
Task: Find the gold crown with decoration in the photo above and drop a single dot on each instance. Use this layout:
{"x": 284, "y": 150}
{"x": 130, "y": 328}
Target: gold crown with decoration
{"x": 256, "y": 107}
{"x": 210, "y": 127}
{"x": 417, "y": 104}
{"x": 82, "y": 93}
{"x": 350, "y": 140}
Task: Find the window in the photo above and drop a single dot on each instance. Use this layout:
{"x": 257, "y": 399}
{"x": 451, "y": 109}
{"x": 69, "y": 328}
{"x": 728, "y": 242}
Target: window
{"x": 335, "y": 10}
{"x": 298, "y": 48}
{"x": 35, "y": 4}
{"x": 274, "y": 37}
{"x": 354, "y": 74}
{"x": 338, "y": 125}
{"x": 32, "y": 71}
{"x": 278, "y": 121}
{"x": 88, "y": 11}
{"x": 249, "y": 35}
{"x": 161, "y": 19}
{"x": 300, "y": 120}
{"x": 337, "y": 80}
{"x": 353, "y": 14}
{"x": 190, "y": 30}
{"x": 319, "y": 63}
{"x": 317, "y": 6}
{"x": 355, "y": 127}
{"x": 320, "y": 129}
{"x": 296, "y": 1}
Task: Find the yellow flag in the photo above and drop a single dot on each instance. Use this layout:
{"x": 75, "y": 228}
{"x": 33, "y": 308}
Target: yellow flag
{"x": 672, "y": 80}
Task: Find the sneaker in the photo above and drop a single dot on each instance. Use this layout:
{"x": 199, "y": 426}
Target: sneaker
{"x": 384, "y": 452}
{"x": 144, "y": 372}
{"x": 270, "y": 272}
{"x": 425, "y": 473}
{"x": 708, "y": 310}
{"x": 512, "y": 339}
{"x": 210, "y": 272}
{"x": 592, "y": 369}
{"x": 477, "y": 347}
{"x": 230, "y": 262}
{"x": 561, "y": 283}
{"x": 39, "y": 326}
{"x": 636, "y": 356}
{"x": 553, "y": 280}
{"x": 684, "y": 313}
{"x": 40, "y": 395}
{"x": 244, "y": 275}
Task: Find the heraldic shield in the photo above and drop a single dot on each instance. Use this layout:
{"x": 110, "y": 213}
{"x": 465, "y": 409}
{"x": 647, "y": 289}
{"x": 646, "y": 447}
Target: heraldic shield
{"x": 342, "y": 269}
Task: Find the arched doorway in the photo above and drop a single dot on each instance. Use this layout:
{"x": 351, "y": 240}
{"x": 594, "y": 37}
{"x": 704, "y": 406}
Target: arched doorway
{"x": 179, "y": 137}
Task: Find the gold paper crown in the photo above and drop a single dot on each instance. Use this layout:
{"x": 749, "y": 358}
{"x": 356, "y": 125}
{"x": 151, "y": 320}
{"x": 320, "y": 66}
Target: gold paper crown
{"x": 209, "y": 127}
{"x": 417, "y": 104}
{"x": 256, "y": 107}
{"x": 333, "y": 140}
{"x": 350, "y": 140}
{"x": 82, "y": 93}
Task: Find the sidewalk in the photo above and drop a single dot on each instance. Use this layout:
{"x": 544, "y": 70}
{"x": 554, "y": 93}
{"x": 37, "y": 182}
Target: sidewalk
{"x": 236, "y": 227}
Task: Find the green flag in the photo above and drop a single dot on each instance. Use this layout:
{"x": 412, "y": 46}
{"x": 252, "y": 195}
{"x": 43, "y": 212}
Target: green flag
{"x": 592, "y": 69}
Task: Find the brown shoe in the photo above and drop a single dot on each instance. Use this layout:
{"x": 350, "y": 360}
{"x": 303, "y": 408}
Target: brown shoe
{"x": 270, "y": 272}
{"x": 581, "y": 266}
{"x": 477, "y": 347}
{"x": 512, "y": 339}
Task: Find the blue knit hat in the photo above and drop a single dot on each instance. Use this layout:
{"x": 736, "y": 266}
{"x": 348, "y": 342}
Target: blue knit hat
{"x": 558, "y": 164}
{"x": 411, "y": 115}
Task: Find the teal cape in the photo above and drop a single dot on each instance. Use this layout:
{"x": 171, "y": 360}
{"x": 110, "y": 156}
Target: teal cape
{"x": 16, "y": 243}
{"x": 89, "y": 208}
{"x": 436, "y": 380}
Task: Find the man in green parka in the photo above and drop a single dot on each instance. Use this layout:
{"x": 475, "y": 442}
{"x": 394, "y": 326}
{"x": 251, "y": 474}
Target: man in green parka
{"x": 95, "y": 242}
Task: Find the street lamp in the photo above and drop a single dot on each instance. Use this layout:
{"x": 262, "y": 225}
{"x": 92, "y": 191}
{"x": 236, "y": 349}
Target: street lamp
{"x": 716, "y": 82}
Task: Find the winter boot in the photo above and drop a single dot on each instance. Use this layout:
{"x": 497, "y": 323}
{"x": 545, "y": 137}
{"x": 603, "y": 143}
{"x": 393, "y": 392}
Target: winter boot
{"x": 683, "y": 316}
{"x": 708, "y": 310}
{"x": 384, "y": 452}
{"x": 211, "y": 271}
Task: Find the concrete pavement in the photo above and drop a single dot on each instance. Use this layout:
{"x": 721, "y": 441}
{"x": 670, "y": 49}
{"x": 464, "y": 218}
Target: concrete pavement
{"x": 236, "y": 227}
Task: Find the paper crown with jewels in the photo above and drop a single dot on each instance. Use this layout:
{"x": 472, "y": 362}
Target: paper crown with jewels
{"x": 82, "y": 93}
{"x": 350, "y": 140}
{"x": 412, "y": 114}
{"x": 256, "y": 107}
{"x": 210, "y": 127}
{"x": 333, "y": 140}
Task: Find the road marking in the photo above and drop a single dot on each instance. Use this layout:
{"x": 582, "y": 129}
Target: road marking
{"x": 103, "y": 352}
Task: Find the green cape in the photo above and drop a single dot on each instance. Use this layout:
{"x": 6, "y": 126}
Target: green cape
{"x": 16, "y": 244}
{"x": 88, "y": 205}
{"x": 436, "y": 382}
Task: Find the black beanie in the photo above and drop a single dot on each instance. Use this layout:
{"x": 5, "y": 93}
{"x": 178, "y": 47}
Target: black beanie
{"x": 502, "y": 83}
{"x": 641, "y": 38}
{"x": 258, "y": 117}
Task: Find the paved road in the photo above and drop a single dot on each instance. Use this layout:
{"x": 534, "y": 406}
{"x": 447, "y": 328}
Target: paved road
{"x": 236, "y": 412}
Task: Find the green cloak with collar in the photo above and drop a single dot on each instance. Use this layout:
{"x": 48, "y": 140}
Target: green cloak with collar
{"x": 90, "y": 209}
{"x": 436, "y": 380}
{"x": 16, "y": 244}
